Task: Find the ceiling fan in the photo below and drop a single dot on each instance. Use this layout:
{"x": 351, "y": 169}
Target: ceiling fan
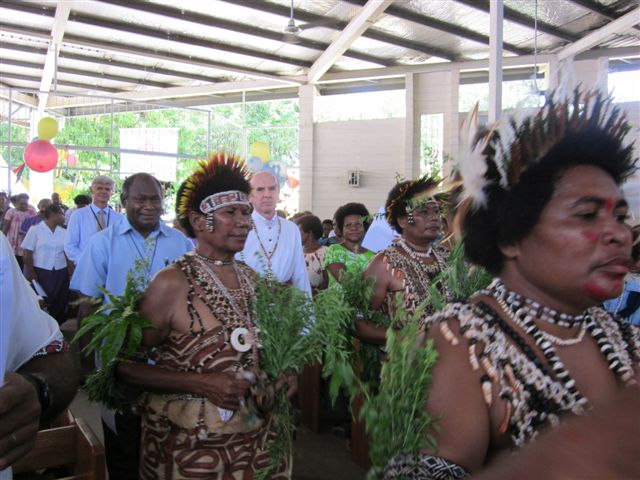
{"x": 292, "y": 29}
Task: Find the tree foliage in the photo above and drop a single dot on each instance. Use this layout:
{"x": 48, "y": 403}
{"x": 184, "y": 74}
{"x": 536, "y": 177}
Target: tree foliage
{"x": 229, "y": 126}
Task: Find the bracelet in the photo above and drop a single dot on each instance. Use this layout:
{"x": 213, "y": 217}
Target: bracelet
{"x": 42, "y": 387}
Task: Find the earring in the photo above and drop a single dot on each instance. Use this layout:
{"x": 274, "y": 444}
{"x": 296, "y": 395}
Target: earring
{"x": 410, "y": 219}
{"x": 210, "y": 223}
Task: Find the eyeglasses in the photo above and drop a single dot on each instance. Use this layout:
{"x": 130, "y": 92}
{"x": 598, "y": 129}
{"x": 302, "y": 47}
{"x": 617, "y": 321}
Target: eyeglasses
{"x": 353, "y": 226}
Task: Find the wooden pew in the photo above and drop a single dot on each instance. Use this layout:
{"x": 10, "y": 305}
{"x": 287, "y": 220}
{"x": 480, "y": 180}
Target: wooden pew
{"x": 74, "y": 446}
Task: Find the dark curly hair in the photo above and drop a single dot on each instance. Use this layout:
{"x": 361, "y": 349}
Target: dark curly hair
{"x": 220, "y": 174}
{"x": 352, "y": 208}
{"x": 52, "y": 210}
{"x": 511, "y": 213}
{"x": 310, "y": 223}
{"x": 400, "y": 196}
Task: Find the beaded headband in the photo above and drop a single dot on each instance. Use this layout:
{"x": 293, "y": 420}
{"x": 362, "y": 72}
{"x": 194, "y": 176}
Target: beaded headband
{"x": 224, "y": 199}
{"x": 416, "y": 193}
{"x": 219, "y": 165}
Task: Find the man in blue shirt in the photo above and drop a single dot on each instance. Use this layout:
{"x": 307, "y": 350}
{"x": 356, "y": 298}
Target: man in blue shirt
{"x": 105, "y": 262}
{"x": 86, "y": 222}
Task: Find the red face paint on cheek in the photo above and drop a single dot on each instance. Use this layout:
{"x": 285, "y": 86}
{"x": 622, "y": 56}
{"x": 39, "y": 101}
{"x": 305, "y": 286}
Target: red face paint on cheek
{"x": 591, "y": 235}
{"x": 600, "y": 293}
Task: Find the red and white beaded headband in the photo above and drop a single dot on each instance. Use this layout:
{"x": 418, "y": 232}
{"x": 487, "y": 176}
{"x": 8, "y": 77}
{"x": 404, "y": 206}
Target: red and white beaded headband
{"x": 223, "y": 199}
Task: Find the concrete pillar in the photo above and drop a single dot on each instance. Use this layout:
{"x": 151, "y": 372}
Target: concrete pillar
{"x": 451, "y": 124}
{"x": 411, "y": 163}
{"x": 306, "y": 95}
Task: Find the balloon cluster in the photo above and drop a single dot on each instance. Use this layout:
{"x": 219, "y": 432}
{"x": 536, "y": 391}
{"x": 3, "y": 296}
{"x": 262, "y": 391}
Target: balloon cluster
{"x": 259, "y": 162}
{"x": 40, "y": 155}
{"x": 71, "y": 158}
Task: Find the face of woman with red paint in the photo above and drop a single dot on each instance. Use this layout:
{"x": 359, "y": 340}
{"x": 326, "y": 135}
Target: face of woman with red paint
{"x": 579, "y": 252}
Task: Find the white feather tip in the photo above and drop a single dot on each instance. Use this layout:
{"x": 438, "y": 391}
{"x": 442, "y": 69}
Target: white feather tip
{"x": 472, "y": 165}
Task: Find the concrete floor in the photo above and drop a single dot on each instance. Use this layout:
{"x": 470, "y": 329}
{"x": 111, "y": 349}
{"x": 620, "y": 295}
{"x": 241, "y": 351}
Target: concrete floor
{"x": 317, "y": 457}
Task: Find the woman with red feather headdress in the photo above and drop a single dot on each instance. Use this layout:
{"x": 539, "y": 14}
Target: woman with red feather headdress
{"x": 205, "y": 407}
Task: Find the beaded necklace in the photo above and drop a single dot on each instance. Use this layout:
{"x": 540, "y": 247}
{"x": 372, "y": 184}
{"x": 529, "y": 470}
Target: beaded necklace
{"x": 214, "y": 261}
{"x": 239, "y": 340}
{"x": 412, "y": 252}
{"x": 417, "y": 276}
{"x": 593, "y": 321}
{"x": 527, "y": 306}
{"x": 418, "y": 256}
{"x": 268, "y": 255}
{"x": 534, "y": 394}
{"x": 234, "y": 319}
{"x": 525, "y": 322}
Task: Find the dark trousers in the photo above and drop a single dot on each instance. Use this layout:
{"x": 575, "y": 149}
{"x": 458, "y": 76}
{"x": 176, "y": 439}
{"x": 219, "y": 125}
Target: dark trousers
{"x": 56, "y": 284}
{"x": 20, "y": 261}
{"x": 122, "y": 449}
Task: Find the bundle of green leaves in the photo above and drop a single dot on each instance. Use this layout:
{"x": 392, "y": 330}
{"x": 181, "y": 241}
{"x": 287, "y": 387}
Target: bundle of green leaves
{"x": 294, "y": 332}
{"x": 395, "y": 415}
{"x": 358, "y": 294}
{"x": 460, "y": 278}
{"x": 116, "y": 327}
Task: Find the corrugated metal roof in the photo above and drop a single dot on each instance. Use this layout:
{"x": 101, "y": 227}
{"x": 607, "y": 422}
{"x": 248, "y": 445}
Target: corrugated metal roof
{"x": 119, "y": 46}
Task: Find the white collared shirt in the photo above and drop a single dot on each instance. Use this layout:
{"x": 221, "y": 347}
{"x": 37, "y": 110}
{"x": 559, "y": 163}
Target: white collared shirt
{"x": 287, "y": 262}
{"x": 47, "y": 246}
{"x": 24, "y": 327}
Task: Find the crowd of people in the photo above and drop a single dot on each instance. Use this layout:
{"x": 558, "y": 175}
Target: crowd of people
{"x": 554, "y": 336}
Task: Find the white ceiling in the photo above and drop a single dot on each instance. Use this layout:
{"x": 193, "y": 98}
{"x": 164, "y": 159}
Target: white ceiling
{"x": 134, "y": 48}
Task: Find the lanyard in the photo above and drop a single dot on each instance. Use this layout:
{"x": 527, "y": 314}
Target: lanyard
{"x": 100, "y": 227}
{"x": 145, "y": 257}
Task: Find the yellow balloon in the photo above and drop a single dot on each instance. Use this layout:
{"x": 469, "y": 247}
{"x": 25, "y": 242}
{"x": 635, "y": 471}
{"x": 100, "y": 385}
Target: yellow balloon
{"x": 260, "y": 149}
{"x": 47, "y": 128}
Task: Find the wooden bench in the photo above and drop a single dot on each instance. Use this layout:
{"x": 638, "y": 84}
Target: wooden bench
{"x": 74, "y": 446}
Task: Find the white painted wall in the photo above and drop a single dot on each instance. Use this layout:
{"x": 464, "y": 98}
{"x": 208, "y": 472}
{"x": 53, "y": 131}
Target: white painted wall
{"x": 382, "y": 148}
{"x": 437, "y": 92}
{"x": 375, "y": 147}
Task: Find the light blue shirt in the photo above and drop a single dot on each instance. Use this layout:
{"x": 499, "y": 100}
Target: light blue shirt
{"x": 380, "y": 235}
{"x": 112, "y": 253}
{"x": 631, "y": 284}
{"x": 83, "y": 225}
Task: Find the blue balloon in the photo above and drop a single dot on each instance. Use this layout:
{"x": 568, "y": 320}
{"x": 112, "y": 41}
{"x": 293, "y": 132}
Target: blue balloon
{"x": 276, "y": 170}
{"x": 255, "y": 164}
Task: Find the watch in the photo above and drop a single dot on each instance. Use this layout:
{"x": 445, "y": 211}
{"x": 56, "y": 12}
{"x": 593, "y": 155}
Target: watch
{"x": 42, "y": 387}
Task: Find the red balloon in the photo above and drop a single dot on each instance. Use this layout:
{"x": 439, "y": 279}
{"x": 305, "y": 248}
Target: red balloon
{"x": 41, "y": 156}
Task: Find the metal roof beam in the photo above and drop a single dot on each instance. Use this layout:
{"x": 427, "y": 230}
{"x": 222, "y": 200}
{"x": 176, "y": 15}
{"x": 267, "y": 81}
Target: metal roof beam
{"x": 149, "y": 53}
{"x": 64, "y": 83}
{"x": 599, "y": 9}
{"x": 139, "y": 68}
{"x": 185, "y": 39}
{"x": 21, "y": 98}
{"x": 24, "y": 48}
{"x": 520, "y": 18}
{"x": 336, "y": 24}
{"x": 596, "y": 8}
{"x": 113, "y": 63}
{"x": 173, "y": 92}
{"x": 436, "y": 24}
{"x": 207, "y": 20}
{"x": 154, "y": 33}
{"x": 363, "y": 20}
{"x": 596, "y": 37}
{"x": 49, "y": 70}
{"x": 507, "y": 62}
{"x": 86, "y": 73}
